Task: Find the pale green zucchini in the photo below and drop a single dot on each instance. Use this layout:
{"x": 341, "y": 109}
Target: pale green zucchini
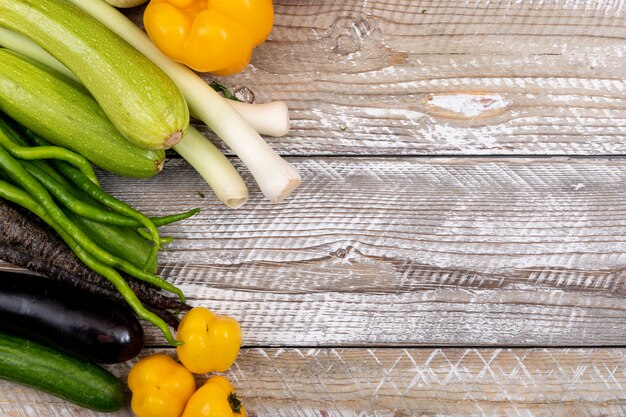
{"x": 137, "y": 96}
{"x": 64, "y": 113}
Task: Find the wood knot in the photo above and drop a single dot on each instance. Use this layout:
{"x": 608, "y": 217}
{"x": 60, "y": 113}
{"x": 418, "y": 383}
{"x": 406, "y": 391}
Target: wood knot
{"x": 341, "y": 253}
{"x": 466, "y": 105}
{"x": 347, "y": 44}
{"x": 245, "y": 94}
{"x": 353, "y": 35}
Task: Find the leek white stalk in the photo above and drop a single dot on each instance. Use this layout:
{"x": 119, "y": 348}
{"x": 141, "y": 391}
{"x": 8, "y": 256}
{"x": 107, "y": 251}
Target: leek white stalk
{"x": 275, "y": 176}
{"x": 270, "y": 119}
{"x": 214, "y": 167}
{"x": 196, "y": 149}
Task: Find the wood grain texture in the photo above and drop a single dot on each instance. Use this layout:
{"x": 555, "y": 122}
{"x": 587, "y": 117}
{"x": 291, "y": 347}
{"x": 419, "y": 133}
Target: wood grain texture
{"x": 400, "y": 382}
{"x": 404, "y": 251}
{"x": 378, "y": 253}
{"x": 372, "y": 77}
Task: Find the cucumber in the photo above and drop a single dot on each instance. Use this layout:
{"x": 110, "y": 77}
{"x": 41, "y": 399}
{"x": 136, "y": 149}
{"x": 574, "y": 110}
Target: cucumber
{"x": 138, "y": 97}
{"x": 47, "y": 370}
{"x": 63, "y": 112}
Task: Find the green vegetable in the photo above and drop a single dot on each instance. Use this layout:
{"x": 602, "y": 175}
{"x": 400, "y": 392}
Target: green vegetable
{"x": 123, "y": 242}
{"x": 196, "y": 149}
{"x": 46, "y": 369}
{"x": 39, "y": 194}
{"x": 270, "y": 118}
{"x": 89, "y": 188}
{"x": 48, "y": 152}
{"x": 64, "y": 113}
{"x": 65, "y": 193}
{"x": 119, "y": 206}
{"x": 110, "y": 230}
{"x": 138, "y": 97}
{"x": 36, "y": 199}
{"x": 276, "y": 177}
{"x": 76, "y": 205}
{"x": 103, "y": 248}
{"x": 99, "y": 263}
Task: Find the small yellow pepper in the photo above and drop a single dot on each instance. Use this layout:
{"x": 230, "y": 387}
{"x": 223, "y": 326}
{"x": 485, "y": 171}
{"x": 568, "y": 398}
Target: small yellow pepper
{"x": 209, "y": 35}
{"x": 211, "y": 342}
{"x": 216, "y": 398}
{"x": 161, "y": 387}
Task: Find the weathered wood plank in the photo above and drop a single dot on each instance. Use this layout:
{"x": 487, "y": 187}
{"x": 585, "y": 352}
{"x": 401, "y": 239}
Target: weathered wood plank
{"x": 395, "y": 251}
{"x": 445, "y": 77}
{"x": 400, "y": 382}
{"x": 407, "y": 251}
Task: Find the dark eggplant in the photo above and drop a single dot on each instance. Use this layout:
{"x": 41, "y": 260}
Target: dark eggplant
{"x": 84, "y": 325}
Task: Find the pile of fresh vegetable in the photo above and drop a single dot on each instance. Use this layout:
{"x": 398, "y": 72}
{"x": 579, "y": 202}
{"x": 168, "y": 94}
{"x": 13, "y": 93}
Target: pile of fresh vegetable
{"x": 83, "y": 215}
{"x": 82, "y": 86}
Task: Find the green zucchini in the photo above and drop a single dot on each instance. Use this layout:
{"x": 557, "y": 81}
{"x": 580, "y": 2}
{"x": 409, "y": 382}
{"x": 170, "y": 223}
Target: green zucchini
{"x": 138, "y": 97}
{"x": 56, "y": 373}
{"x": 64, "y": 113}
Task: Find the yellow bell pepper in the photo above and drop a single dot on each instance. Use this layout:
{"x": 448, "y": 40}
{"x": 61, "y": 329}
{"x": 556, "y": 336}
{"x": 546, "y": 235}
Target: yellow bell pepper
{"x": 216, "y": 398}
{"x": 160, "y": 387}
{"x": 209, "y": 35}
{"x": 211, "y": 342}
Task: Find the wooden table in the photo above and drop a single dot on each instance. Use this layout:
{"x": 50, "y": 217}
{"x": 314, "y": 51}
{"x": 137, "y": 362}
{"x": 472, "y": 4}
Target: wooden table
{"x": 458, "y": 244}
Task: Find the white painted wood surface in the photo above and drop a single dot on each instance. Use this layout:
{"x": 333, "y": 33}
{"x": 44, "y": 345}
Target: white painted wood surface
{"x": 462, "y": 251}
{"x": 396, "y": 282}
{"x": 402, "y": 382}
{"x": 380, "y": 77}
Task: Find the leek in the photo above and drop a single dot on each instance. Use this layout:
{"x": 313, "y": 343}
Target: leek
{"x": 214, "y": 167}
{"x": 275, "y": 176}
{"x": 270, "y": 119}
{"x": 196, "y": 149}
